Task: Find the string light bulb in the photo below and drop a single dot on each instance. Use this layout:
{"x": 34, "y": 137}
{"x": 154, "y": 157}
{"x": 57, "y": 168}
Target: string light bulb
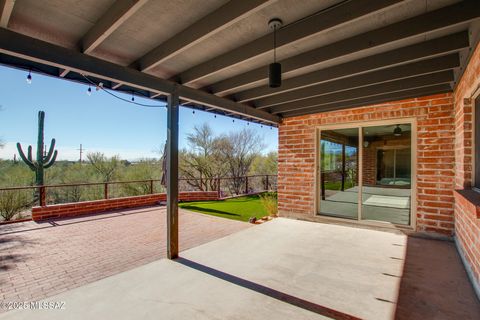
{"x": 215, "y": 116}
{"x": 29, "y": 77}
{"x": 193, "y": 112}
{"x": 89, "y": 91}
{"x": 133, "y": 97}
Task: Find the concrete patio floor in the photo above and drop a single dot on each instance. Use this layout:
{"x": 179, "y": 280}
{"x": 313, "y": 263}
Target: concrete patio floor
{"x": 38, "y": 260}
{"x": 285, "y": 269}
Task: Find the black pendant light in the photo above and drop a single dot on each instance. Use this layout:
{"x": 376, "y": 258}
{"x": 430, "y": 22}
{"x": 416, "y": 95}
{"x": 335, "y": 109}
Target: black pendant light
{"x": 397, "y": 132}
{"x": 275, "y": 68}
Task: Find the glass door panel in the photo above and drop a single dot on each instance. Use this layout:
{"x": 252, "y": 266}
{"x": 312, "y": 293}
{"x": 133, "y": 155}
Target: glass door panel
{"x": 386, "y": 169}
{"x": 339, "y": 173}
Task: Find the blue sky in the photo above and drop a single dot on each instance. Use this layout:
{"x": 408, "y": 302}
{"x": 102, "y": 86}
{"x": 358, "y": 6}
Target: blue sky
{"x": 99, "y": 122}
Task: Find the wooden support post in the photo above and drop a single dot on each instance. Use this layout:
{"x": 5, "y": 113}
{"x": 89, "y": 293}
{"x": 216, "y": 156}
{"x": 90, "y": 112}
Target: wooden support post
{"x": 105, "y": 190}
{"x": 219, "y": 192}
{"x": 43, "y": 196}
{"x": 266, "y": 183}
{"x": 151, "y": 186}
{"x": 172, "y": 175}
{"x": 343, "y": 167}
{"x": 246, "y": 184}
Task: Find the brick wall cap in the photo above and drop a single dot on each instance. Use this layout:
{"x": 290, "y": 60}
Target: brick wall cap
{"x": 472, "y": 197}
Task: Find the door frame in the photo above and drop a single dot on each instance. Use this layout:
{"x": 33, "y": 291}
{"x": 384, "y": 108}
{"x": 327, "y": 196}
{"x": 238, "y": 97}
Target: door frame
{"x": 361, "y": 125}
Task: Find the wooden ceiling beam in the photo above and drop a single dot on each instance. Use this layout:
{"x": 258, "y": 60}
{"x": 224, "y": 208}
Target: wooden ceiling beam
{"x": 384, "y": 75}
{"x": 6, "y": 9}
{"x": 45, "y": 53}
{"x": 360, "y": 102}
{"x": 417, "y": 52}
{"x": 220, "y": 19}
{"x": 324, "y": 20}
{"x": 372, "y": 90}
{"x": 117, "y": 14}
{"x": 432, "y": 21}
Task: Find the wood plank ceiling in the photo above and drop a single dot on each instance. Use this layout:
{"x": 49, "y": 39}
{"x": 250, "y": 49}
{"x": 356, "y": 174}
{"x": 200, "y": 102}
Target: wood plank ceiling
{"x": 334, "y": 54}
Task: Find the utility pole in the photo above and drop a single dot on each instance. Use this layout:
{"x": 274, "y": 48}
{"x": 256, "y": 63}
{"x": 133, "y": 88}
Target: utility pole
{"x": 81, "y": 152}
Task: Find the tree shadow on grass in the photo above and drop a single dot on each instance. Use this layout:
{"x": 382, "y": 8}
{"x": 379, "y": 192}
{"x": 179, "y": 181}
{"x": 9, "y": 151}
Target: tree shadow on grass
{"x": 209, "y": 210}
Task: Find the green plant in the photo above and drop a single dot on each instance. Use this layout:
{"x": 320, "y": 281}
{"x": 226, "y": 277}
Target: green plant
{"x": 106, "y": 167}
{"x": 11, "y": 203}
{"x": 269, "y": 202}
{"x": 43, "y": 161}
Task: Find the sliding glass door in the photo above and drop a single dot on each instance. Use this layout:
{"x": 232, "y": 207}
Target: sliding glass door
{"x": 366, "y": 173}
{"x": 339, "y": 173}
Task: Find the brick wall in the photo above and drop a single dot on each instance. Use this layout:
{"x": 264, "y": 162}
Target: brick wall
{"x": 467, "y": 206}
{"x": 435, "y": 157}
{"x": 467, "y": 228}
{"x": 86, "y": 207}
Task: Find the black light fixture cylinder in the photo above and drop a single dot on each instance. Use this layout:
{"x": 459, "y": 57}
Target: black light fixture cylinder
{"x": 275, "y": 75}
{"x": 275, "y": 68}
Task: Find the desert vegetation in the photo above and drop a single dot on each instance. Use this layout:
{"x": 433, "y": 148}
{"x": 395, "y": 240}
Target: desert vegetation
{"x": 207, "y": 157}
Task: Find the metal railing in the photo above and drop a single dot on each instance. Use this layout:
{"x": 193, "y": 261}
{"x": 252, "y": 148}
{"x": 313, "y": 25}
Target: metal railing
{"x": 25, "y": 197}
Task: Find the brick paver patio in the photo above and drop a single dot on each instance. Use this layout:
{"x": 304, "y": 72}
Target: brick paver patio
{"x": 38, "y": 260}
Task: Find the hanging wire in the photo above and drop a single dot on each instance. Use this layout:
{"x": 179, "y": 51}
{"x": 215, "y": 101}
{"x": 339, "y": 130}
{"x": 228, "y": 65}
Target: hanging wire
{"x": 100, "y": 87}
{"x": 123, "y": 99}
{"x": 274, "y": 43}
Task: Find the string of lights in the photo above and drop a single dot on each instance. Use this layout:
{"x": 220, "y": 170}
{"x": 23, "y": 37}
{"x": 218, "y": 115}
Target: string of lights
{"x": 99, "y": 86}
{"x": 132, "y": 101}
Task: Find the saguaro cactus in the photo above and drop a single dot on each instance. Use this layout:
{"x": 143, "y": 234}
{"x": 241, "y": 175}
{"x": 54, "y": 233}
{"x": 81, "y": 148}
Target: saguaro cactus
{"x": 43, "y": 161}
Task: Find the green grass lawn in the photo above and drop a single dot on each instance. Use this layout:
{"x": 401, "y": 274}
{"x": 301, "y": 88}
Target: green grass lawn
{"x": 241, "y": 208}
{"x": 337, "y": 185}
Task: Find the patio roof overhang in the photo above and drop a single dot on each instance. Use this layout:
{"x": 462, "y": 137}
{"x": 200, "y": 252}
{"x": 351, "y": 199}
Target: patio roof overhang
{"x": 214, "y": 56}
{"x": 335, "y": 54}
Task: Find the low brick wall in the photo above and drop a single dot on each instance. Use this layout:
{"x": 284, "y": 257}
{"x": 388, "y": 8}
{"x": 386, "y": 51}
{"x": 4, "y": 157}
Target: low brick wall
{"x": 86, "y": 207}
{"x": 467, "y": 229}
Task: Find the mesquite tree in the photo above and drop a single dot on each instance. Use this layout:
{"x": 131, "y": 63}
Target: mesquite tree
{"x": 43, "y": 161}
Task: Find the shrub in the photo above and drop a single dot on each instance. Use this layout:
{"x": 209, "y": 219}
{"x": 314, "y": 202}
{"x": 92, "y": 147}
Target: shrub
{"x": 12, "y": 203}
{"x": 269, "y": 202}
